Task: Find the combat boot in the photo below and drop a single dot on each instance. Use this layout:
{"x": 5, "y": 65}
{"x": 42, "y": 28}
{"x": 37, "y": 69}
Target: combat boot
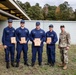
{"x": 17, "y": 64}
{"x": 61, "y": 65}
{"x": 12, "y": 64}
{"x": 32, "y": 64}
{"x": 25, "y": 63}
{"x": 65, "y": 67}
{"x": 40, "y": 64}
{"x": 7, "y": 65}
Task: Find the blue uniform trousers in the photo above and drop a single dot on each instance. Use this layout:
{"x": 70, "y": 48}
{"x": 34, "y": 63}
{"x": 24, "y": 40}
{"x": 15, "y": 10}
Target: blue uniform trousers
{"x": 36, "y": 49}
{"x": 51, "y": 54}
{"x": 9, "y": 52}
{"x": 21, "y": 48}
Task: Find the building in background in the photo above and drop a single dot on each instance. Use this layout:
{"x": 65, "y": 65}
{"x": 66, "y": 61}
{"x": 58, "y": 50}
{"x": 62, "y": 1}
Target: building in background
{"x": 11, "y": 9}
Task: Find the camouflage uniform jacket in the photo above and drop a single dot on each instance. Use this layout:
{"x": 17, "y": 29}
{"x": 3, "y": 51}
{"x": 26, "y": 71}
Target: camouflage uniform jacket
{"x": 64, "y": 39}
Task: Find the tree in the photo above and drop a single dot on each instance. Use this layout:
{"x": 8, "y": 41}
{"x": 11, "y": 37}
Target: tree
{"x": 71, "y": 14}
{"x": 45, "y": 11}
{"x": 62, "y": 12}
{"x": 27, "y": 6}
{"x": 51, "y": 15}
{"x": 49, "y": 12}
{"x": 35, "y": 13}
{"x": 58, "y": 13}
{"x": 66, "y": 11}
{"x": 75, "y": 15}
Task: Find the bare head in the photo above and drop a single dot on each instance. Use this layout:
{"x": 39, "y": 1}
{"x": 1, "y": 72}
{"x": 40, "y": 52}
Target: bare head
{"x": 62, "y": 27}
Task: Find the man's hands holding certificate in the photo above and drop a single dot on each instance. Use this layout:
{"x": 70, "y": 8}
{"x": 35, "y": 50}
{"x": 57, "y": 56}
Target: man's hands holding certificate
{"x": 23, "y": 40}
{"x": 37, "y": 42}
{"x": 13, "y": 40}
{"x": 48, "y": 40}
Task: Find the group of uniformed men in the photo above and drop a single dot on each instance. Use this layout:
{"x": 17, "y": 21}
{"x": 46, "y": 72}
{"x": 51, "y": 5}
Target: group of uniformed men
{"x": 37, "y": 36}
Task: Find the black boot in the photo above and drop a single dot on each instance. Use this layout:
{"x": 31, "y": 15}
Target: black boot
{"x": 32, "y": 64}
{"x": 7, "y": 65}
{"x": 12, "y": 64}
{"x": 17, "y": 64}
{"x": 40, "y": 64}
{"x": 25, "y": 63}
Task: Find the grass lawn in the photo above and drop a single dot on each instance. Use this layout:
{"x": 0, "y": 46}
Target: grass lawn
{"x": 45, "y": 69}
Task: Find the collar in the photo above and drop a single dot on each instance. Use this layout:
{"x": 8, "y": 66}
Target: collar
{"x": 22, "y": 28}
{"x": 63, "y": 32}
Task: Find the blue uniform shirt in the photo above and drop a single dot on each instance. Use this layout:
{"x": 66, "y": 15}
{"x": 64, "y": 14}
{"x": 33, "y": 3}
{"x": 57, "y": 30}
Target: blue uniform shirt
{"x": 37, "y": 34}
{"x": 7, "y": 34}
{"x": 22, "y": 33}
{"x": 53, "y": 36}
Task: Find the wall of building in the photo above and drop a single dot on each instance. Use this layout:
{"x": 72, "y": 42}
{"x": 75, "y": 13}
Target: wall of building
{"x": 70, "y": 26}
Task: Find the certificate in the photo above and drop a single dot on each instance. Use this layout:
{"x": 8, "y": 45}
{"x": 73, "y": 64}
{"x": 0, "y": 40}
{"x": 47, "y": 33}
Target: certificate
{"x": 13, "y": 39}
{"x": 37, "y": 42}
{"x": 49, "y": 40}
{"x": 23, "y": 39}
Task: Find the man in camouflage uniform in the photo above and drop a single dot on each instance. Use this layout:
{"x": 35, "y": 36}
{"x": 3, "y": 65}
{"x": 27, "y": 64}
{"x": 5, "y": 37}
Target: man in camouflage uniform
{"x": 64, "y": 44}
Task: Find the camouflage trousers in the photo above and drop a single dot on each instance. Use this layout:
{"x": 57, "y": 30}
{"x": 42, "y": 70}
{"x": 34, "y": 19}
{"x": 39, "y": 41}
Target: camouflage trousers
{"x": 64, "y": 55}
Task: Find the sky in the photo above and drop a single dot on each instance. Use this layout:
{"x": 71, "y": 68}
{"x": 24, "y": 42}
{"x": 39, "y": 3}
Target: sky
{"x": 51, "y": 2}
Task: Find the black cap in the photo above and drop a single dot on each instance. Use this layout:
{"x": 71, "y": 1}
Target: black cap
{"x": 37, "y": 23}
{"x": 10, "y": 21}
{"x": 22, "y": 21}
{"x": 62, "y": 26}
{"x": 51, "y": 25}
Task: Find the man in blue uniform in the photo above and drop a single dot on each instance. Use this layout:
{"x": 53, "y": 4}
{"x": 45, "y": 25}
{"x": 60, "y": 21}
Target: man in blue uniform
{"x": 51, "y": 39}
{"x": 37, "y": 36}
{"x": 9, "y": 47}
{"x": 22, "y": 37}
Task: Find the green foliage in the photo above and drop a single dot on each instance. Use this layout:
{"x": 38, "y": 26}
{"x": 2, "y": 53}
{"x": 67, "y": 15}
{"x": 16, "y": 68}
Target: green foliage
{"x": 62, "y": 12}
{"x": 51, "y": 15}
{"x": 35, "y": 13}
